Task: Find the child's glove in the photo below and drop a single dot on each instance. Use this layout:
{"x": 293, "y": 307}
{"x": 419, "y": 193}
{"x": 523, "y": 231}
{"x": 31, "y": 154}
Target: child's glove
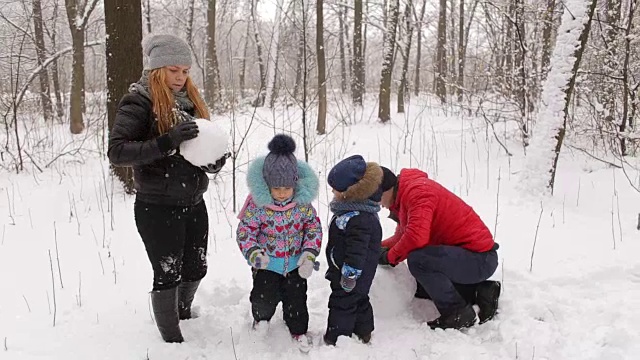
{"x": 259, "y": 259}
{"x": 306, "y": 264}
{"x": 349, "y": 277}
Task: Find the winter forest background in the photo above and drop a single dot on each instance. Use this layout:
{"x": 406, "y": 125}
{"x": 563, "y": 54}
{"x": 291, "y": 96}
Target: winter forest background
{"x": 478, "y": 93}
{"x": 555, "y": 69}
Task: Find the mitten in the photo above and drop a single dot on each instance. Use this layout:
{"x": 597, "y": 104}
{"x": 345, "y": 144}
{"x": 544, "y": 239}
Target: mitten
{"x": 215, "y": 167}
{"x": 259, "y": 259}
{"x": 383, "y": 259}
{"x": 306, "y": 264}
{"x": 349, "y": 277}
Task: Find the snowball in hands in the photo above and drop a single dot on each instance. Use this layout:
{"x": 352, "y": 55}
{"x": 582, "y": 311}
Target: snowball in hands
{"x": 209, "y": 146}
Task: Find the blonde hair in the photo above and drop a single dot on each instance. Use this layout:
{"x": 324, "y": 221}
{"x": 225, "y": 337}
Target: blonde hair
{"x": 164, "y": 101}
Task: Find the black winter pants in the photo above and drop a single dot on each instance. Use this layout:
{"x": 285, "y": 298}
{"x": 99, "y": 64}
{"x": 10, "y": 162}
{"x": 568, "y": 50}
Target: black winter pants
{"x": 175, "y": 238}
{"x": 269, "y": 288}
{"x": 444, "y": 270}
{"x": 349, "y": 312}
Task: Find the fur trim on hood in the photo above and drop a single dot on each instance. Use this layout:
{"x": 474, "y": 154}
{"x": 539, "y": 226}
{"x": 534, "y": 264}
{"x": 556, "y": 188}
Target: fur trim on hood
{"x": 366, "y": 186}
{"x": 306, "y": 187}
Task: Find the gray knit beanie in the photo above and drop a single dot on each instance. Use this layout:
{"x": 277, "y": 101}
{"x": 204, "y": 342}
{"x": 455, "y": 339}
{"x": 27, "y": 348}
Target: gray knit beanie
{"x": 162, "y": 50}
{"x": 280, "y": 167}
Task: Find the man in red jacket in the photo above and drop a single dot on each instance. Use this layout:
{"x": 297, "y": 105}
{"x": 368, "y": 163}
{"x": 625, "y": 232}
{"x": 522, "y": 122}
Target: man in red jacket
{"x": 449, "y": 250}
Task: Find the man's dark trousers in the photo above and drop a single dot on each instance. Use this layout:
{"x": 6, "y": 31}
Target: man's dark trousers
{"x": 438, "y": 267}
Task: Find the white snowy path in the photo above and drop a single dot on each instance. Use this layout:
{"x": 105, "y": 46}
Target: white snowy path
{"x": 580, "y": 301}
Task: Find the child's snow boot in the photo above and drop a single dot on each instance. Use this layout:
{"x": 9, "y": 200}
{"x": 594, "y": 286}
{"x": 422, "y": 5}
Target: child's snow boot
{"x": 365, "y": 338}
{"x": 165, "y": 311}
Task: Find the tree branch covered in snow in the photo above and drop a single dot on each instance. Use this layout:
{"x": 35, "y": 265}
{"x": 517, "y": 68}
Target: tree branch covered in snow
{"x": 539, "y": 172}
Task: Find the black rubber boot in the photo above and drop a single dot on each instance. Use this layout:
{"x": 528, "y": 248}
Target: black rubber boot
{"x": 456, "y": 319}
{"x": 487, "y": 295}
{"x": 165, "y": 310}
{"x": 186, "y": 293}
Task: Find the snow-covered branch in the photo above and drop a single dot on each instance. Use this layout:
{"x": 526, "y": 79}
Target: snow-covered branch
{"x": 44, "y": 64}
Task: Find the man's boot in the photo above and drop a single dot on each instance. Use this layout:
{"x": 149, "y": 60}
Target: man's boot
{"x": 456, "y": 319}
{"x": 186, "y": 293}
{"x": 165, "y": 310}
{"x": 421, "y": 293}
{"x": 467, "y": 291}
{"x": 487, "y": 295}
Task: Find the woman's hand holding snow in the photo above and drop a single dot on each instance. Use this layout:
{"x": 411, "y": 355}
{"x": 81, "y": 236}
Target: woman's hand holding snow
{"x": 185, "y": 130}
{"x": 349, "y": 277}
{"x": 259, "y": 259}
{"x": 216, "y": 167}
{"x": 306, "y": 264}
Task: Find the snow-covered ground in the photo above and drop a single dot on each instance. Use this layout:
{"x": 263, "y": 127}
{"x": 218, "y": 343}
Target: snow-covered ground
{"x": 70, "y": 254}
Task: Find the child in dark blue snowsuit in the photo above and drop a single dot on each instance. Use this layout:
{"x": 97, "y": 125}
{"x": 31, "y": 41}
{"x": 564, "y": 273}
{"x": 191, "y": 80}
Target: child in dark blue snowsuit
{"x": 353, "y": 248}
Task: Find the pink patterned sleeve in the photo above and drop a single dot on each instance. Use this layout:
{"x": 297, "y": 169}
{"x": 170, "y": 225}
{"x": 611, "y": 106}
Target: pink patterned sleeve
{"x": 312, "y": 231}
{"x": 247, "y": 232}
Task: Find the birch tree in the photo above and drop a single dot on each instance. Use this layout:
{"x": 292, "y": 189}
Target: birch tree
{"x": 384, "y": 111}
{"x": 322, "y": 81}
{"x": 441, "y": 54}
{"x": 45, "y": 93}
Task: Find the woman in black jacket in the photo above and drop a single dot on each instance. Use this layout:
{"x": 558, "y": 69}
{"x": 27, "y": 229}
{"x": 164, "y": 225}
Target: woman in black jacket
{"x": 152, "y": 120}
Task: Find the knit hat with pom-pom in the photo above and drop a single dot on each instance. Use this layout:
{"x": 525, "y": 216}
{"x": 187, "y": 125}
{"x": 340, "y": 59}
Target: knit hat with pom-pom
{"x": 281, "y": 166}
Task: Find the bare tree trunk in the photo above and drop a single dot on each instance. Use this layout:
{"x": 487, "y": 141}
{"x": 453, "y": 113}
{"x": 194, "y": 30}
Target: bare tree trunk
{"x": 348, "y": 44}
{"x": 626, "y": 119}
{"x": 384, "y": 111}
{"x": 461, "y": 52}
{"x": 123, "y": 25}
{"x": 76, "y": 100}
{"x": 273, "y": 60}
{"x": 452, "y": 52}
{"x": 212, "y": 75}
{"x": 190, "y": 13}
{"x": 441, "y": 54}
{"x": 364, "y": 27}
{"x": 416, "y": 81}
{"x": 147, "y": 15}
{"x": 547, "y": 35}
{"x": 300, "y": 60}
{"x": 403, "y": 89}
{"x": 55, "y": 75}
{"x": 519, "y": 83}
{"x": 322, "y": 81}
{"x": 341, "y": 45}
{"x": 78, "y": 16}
{"x": 243, "y": 62}
{"x": 259, "y": 101}
{"x": 357, "y": 77}
{"x": 45, "y": 94}
{"x": 509, "y": 46}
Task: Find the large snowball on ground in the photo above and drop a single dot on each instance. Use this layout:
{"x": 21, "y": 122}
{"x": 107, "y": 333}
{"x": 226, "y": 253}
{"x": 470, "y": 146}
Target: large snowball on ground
{"x": 209, "y": 146}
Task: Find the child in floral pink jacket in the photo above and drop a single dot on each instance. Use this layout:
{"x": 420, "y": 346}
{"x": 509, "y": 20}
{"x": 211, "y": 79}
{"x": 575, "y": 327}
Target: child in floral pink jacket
{"x": 280, "y": 234}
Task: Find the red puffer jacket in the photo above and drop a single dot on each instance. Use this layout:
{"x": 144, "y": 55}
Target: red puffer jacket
{"x": 429, "y": 214}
